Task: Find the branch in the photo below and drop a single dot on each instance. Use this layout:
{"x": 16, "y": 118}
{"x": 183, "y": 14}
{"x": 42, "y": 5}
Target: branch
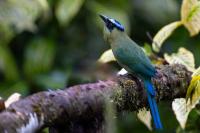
{"x": 80, "y": 105}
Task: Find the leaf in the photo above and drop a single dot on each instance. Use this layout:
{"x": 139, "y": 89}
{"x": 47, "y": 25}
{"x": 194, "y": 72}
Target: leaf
{"x": 147, "y": 49}
{"x": 181, "y": 111}
{"x": 107, "y": 56}
{"x": 67, "y": 9}
{"x": 192, "y": 124}
{"x": 196, "y": 72}
{"x": 19, "y": 15}
{"x": 7, "y": 64}
{"x": 163, "y": 34}
{"x": 11, "y": 99}
{"x": 190, "y": 16}
{"x": 39, "y": 56}
{"x": 44, "y": 4}
{"x": 193, "y": 91}
{"x": 183, "y": 57}
{"x": 145, "y": 117}
{"x": 186, "y": 8}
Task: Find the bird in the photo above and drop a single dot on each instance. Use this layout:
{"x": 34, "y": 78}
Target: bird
{"x": 132, "y": 58}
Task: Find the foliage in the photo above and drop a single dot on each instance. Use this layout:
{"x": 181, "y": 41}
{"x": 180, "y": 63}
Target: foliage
{"x": 193, "y": 92}
{"x": 107, "y": 56}
{"x": 190, "y": 18}
{"x": 183, "y": 56}
{"x": 180, "y": 110}
{"x": 53, "y": 44}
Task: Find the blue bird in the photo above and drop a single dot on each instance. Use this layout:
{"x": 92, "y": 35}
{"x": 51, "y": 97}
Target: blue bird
{"x": 131, "y": 57}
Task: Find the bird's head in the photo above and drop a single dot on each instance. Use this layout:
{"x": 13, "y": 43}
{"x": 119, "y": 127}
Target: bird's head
{"x": 112, "y": 27}
{"x": 111, "y": 23}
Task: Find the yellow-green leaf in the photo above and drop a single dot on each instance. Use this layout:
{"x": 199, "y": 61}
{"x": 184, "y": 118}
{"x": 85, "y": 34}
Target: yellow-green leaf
{"x": 145, "y": 117}
{"x": 147, "y": 49}
{"x": 186, "y": 8}
{"x": 190, "y": 16}
{"x": 107, "y": 56}
{"x": 67, "y": 9}
{"x": 163, "y": 34}
{"x": 183, "y": 56}
{"x": 181, "y": 111}
{"x": 193, "y": 91}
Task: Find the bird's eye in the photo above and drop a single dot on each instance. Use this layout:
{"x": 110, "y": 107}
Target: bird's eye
{"x": 110, "y": 26}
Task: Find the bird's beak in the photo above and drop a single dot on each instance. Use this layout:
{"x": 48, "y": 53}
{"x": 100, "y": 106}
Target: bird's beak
{"x": 104, "y": 18}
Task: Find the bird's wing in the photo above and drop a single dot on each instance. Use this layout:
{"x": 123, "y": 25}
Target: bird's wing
{"x": 134, "y": 60}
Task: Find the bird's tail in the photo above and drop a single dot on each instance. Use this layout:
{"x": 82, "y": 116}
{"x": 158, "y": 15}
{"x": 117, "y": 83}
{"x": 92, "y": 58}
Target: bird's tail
{"x": 152, "y": 104}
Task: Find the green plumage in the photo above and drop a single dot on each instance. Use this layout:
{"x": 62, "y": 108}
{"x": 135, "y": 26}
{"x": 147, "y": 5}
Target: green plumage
{"x": 130, "y": 56}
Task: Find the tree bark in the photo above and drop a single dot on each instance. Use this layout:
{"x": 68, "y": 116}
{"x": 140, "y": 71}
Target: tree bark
{"x": 80, "y": 108}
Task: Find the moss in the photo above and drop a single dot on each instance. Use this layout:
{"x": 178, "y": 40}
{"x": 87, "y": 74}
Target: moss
{"x": 117, "y": 97}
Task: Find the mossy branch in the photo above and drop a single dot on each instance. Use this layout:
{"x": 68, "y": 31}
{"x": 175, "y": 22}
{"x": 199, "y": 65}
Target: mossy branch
{"x": 80, "y": 108}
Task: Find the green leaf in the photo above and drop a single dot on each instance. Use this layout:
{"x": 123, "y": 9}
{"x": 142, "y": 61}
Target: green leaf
{"x": 192, "y": 125}
{"x": 39, "y": 56}
{"x": 190, "y": 16}
{"x": 107, "y": 56}
{"x": 67, "y": 9}
{"x": 7, "y": 64}
{"x": 193, "y": 91}
{"x": 147, "y": 49}
{"x": 183, "y": 57}
{"x": 163, "y": 34}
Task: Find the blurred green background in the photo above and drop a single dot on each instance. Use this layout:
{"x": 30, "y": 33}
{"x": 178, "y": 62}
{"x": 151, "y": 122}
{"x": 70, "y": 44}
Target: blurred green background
{"x": 56, "y": 43}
